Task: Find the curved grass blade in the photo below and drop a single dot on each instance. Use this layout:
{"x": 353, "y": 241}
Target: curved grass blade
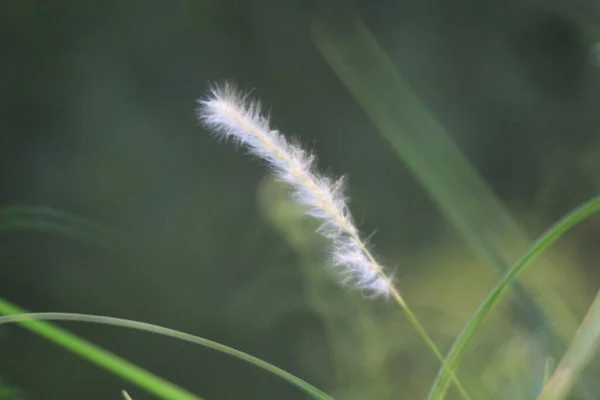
{"x": 455, "y": 354}
{"x": 143, "y": 326}
{"x": 48, "y": 220}
{"x": 580, "y": 353}
{"x": 97, "y": 355}
{"x": 425, "y": 147}
{"x": 45, "y": 219}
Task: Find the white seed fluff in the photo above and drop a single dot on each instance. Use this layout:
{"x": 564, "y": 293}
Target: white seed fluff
{"x": 233, "y": 115}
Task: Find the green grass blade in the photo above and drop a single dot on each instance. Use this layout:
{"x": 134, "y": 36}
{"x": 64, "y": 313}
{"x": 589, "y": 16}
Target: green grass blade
{"x": 425, "y": 147}
{"x": 103, "y": 358}
{"x": 580, "y": 353}
{"x": 10, "y": 393}
{"x": 548, "y": 370}
{"x": 455, "y": 354}
{"x": 419, "y": 140}
{"x": 45, "y": 219}
{"x": 352, "y": 52}
{"x": 143, "y": 326}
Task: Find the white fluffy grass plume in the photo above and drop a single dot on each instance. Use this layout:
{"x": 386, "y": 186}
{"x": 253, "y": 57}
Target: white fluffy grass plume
{"x": 232, "y": 115}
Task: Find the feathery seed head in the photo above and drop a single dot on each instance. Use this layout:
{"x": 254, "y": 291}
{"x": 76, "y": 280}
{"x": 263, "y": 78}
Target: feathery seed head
{"x": 233, "y": 116}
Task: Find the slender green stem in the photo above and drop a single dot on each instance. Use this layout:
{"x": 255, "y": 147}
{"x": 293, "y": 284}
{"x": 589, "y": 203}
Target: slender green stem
{"x": 454, "y": 356}
{"x": 143, "y": 326}
{"x": 412, "y": 318}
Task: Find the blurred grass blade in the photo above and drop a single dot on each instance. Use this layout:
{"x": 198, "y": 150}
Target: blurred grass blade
{"x": 352, "y": 52}
{"x": 103, "y": 358}
{"x": 580, "y": 353}
{"x": 45, "y": 219}
{"x": 431, "y": 155}
{"x": 418, "y": 139}
{"x": 453, "y": 358}
{"x": 548, "y": 370}
{"x": 143, "y": 326}
{"x": 10, "y": 393}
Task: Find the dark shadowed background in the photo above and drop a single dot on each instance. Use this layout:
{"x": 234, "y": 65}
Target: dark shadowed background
{"x": 97, "y": 118}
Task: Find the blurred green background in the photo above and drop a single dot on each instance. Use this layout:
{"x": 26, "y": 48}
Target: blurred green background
{"x": 466, "y": 129}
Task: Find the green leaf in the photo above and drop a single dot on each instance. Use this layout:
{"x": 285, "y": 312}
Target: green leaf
{"x": 103, "y": 358}
{"x": 29, "y": 318}
{"x": 10, "y": 393}
{"x": 46, "y": 219}
{"x": 428, "y": 151}
{"x": 455, "y": 354}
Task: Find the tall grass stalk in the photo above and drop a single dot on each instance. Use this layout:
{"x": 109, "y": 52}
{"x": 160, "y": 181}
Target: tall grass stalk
{"x": 231, "y": 115}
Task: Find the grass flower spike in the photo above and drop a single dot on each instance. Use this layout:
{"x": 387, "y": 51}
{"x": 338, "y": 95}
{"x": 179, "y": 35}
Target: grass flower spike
{"x": 235, "y": 117}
